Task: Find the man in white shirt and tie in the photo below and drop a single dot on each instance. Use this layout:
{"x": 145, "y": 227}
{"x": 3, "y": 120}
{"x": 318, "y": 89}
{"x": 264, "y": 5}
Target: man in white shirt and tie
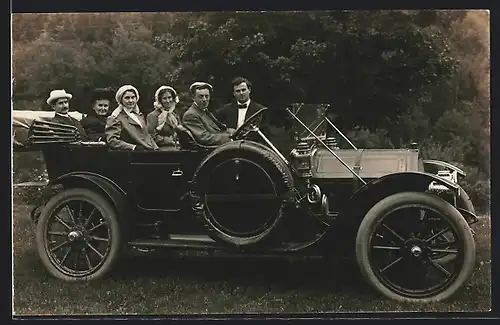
{"x": 238, "y": 111}
{"x": 276, "y": 123}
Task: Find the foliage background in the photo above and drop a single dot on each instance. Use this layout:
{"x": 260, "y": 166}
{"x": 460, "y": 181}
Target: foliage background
{"x": 389, "y": 77}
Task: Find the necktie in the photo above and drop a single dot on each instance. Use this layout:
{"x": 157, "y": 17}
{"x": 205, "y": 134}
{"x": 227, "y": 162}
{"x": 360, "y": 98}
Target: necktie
{"x": 242, "y": 106}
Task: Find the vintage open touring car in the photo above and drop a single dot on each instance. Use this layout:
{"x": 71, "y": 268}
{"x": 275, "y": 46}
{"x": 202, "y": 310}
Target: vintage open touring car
{"x": 406, "y": 221}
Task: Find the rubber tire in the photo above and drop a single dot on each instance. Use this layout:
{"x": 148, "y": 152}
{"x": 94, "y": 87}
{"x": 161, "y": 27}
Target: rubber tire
{"x": 107, "y": 211}
{"x": 379, "y": 210}
{"x": 249, "y": 149}
{"x": 463, "y": 202}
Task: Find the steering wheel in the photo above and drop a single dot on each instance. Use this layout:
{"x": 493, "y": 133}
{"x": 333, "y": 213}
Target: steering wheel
{"x": 250, "y": 124}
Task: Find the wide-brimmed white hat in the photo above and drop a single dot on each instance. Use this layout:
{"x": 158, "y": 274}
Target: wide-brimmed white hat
{"x": 197, "y": 84}
{"x": 58, "y": 93}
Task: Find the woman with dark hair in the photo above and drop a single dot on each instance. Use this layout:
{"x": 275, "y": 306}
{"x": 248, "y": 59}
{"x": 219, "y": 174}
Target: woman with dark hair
{"x": 163, "y": 120}
{"x": 95, "y": 122}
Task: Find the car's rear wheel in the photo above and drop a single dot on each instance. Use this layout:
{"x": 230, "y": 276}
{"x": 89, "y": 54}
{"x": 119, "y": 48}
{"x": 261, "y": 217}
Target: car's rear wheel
{"x": 78, "y": 235}
{"x": 395, "y": 247}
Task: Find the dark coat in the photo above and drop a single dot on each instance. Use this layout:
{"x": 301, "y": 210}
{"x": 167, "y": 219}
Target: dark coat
{"x": 206, "y": 129}
{"x": 71, "y": 121}
{"x": 94, "y": 126}
{"x": 276, "y": 123}
{"x": 228, "y": 114}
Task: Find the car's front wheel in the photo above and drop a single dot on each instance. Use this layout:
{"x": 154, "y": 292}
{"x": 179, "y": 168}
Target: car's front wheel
{"x": 464, "y": 202}
{"x": 78, "y": 235}
{"x": 396, "y": 244}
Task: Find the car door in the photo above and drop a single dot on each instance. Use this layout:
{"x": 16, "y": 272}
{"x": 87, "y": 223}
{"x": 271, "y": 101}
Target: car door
{"x": 157, "y": 179}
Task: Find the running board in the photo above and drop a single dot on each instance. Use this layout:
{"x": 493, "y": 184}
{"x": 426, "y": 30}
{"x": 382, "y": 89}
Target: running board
{"x": 182, "y": 241}
{"x": 179, "y": 241}
{"x": 198, "y": 238}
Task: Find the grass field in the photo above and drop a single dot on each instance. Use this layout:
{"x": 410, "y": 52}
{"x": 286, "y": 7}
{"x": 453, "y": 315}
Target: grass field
{"x": 187, "y": 284}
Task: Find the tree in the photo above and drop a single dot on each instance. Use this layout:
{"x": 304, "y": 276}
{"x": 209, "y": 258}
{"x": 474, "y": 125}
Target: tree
{"x": 370, "y": 66}
{"x": 77, "y": 66}
{"x": 46, "y": 64}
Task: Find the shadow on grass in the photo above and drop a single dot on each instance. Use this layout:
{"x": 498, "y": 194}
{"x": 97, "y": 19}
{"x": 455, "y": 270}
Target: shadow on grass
{"x": 194, "y": 283}
{"x": 278, "y": 273}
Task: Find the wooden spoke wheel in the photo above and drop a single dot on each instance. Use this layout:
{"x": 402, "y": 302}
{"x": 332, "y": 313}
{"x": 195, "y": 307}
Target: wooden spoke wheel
{"x": 399, "y": 241}
{"x": 78, "y": 235}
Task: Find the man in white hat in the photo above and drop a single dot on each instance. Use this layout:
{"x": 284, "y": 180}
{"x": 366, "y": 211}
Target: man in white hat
{"x": 59, "y": 101}
{"x": 206, "y": 129}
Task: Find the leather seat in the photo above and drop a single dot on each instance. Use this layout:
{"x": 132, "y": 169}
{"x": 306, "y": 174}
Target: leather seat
{"x": 187, "y": 140}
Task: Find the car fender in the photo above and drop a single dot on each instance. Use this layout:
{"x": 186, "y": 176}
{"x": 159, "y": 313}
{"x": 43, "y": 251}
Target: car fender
{"x": 114, "y": 192}
{"x": 439, "y": 163}
{"x": 369, "y": 194}
{"x": 347, "y": 223}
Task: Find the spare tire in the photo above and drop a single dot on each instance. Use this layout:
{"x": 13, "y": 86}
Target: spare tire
{"x": 240, "y": 192}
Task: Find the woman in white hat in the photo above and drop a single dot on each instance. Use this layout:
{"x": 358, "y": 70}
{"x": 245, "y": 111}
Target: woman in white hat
{"x": 126, "y": 127}
{"x": 163, "y": 120}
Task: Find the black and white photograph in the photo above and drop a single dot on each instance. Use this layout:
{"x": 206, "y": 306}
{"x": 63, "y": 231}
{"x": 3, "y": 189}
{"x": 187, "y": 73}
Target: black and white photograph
{"x": 219, "y": 163}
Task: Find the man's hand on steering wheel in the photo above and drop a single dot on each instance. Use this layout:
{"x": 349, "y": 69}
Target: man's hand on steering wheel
{"x": 248, "y": 124}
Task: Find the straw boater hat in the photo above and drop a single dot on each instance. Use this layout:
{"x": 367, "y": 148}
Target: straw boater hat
{"x": 58, "y": 93}
{"x": 197, "y": 85}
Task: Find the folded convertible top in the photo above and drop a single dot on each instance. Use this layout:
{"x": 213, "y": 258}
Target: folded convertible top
{"x": 23, "y": 120}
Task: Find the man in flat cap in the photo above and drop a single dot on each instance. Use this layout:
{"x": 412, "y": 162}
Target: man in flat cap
{"x": 59, "y": 101}
{"x": 206, "y": 129}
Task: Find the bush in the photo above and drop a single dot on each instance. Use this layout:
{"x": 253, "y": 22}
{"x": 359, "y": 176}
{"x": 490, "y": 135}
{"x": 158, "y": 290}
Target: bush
{"x": 476, "y": 182}
{"x": 28, "y": 167}
{"x": 478, "y": 186}
{"x": 364, "y": 138}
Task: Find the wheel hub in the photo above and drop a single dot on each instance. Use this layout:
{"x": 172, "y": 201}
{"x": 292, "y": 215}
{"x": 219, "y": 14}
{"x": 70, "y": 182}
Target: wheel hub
{"x": 75, "y": 235}
{"x": 416, "y": 251}
{"x": 416, "y": 248}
